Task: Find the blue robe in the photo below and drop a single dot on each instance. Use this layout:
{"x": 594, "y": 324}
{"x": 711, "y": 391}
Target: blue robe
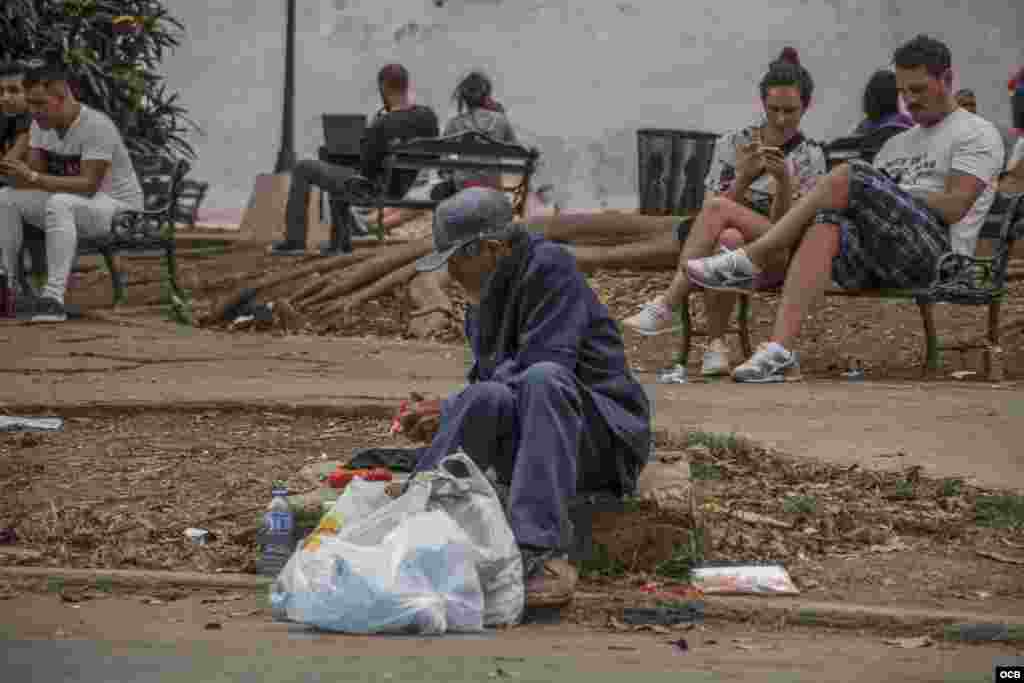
{"x": 551, "y": 402}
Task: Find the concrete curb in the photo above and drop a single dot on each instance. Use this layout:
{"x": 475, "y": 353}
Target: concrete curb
{"x": 910, "y": 621}
{"x": 137, "y": 578}
{"x": 772, "y": 611}
{"x": 352, "y": 407}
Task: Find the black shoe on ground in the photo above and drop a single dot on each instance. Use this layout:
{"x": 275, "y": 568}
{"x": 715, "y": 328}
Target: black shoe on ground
{"x": 25, "y": 305}
{"x": 48, "y": 310}
{"x": 287, "y": 248}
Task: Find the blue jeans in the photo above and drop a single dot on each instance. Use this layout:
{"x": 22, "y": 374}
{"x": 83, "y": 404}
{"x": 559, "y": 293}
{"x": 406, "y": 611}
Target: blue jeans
{"x": 543, "y": 436}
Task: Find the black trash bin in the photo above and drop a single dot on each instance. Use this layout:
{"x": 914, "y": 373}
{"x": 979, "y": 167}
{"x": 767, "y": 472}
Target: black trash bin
{"x": 672, "y": 166}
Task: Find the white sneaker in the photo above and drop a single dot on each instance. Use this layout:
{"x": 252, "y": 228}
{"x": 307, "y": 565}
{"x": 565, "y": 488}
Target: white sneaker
{"x": 653, "y": 319}
{"x": 726, "y": 270}
{"x": 716, "y": 359}
{"x": 770, "y": 363}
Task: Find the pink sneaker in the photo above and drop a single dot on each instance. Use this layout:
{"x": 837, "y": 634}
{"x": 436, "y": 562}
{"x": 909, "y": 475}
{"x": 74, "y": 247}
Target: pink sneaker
{"x": 653, "y": 319}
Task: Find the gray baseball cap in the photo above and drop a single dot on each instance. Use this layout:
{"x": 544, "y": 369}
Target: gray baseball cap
{"x": 473, "y": 214}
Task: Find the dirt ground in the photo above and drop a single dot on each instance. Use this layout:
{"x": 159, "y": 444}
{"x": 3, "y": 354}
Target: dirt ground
{"x": 117, "y": 490}
{"x": 858, "y": 522}
{"x": 885, "y": 338}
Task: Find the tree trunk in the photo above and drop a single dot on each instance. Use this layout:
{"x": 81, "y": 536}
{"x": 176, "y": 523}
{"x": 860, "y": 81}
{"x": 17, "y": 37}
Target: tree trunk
{"x": 602, "y": 228}
{"x": 318, "y": 265}
{"x": 373, "y": 269}
{"x": 431, "y": 307}
{"x": 382, "y": 286}
{"x": 658, "y": 253}
{"x": 309, "y": 290}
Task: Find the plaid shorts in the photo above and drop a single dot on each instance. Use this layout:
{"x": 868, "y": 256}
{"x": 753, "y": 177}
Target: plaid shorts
{"x": 888, "y": 239}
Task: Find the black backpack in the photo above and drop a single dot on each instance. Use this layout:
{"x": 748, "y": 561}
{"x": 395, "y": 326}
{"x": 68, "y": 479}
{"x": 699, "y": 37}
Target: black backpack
{"x": 864, "y": 147}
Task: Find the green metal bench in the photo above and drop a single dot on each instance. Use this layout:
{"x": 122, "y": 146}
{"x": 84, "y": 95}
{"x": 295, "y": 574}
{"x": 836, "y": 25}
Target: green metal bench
{"x": 151, "y": 229}
{"x": 960, "y": 280}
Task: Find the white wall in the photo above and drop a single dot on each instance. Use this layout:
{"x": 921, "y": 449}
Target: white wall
{"x": 577, "y": 76}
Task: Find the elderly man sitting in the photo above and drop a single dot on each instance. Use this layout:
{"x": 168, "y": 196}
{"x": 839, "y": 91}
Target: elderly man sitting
{"x": 551, "y": 403}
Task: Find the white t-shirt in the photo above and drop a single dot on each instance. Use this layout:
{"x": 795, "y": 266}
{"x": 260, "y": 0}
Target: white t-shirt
{"x": 92, "y": 136}
{"x": 921, "y": 159}
{"x": 1017, "y": 156}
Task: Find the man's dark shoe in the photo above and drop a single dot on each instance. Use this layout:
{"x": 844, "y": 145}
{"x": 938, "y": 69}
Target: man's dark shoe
{"x": 25, "y": 304}
{"x": 549, "y": 577}
{"x": 48, "y": 310}
{"x": 287, "y": 248}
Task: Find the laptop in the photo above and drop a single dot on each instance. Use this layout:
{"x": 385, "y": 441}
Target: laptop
{"x": 343, "y": 133}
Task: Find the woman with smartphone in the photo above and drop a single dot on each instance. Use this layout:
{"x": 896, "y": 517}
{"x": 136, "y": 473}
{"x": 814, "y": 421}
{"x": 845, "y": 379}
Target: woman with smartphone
{"x": 755, "y": 175}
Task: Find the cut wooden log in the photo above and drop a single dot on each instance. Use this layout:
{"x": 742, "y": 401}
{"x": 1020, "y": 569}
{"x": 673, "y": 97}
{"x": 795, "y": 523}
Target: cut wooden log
{"x": 396, "y": 278}
{"x": 384, "y": 262}
{"x": 431, "y": 307}
{"x": 316, "y": 266}
{"x": 605, "y": 228}
{"x": 314, "y": 286}
{"x": 659, "y": 253}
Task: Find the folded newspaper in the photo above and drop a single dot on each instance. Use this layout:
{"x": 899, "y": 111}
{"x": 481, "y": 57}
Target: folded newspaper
{"x": 11, "y": 423}
{"x": 745, "y": 579}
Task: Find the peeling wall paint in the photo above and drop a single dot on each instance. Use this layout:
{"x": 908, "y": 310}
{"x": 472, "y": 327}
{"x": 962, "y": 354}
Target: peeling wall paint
{"x": 577, "y": 76}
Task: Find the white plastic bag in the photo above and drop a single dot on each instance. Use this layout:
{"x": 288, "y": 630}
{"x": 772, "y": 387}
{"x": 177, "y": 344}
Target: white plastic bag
{"x": 474, "y": 505}
{"x": 393, "y": 568}
{"x": 439, "y": 557}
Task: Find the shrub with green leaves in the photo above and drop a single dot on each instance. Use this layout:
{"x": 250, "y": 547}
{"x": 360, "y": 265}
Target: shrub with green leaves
{"x": 113, "y": 49}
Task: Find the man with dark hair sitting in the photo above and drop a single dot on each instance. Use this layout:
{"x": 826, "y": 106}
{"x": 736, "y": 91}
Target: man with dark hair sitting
{"x": 881, "y": 226}
{"x": 15, "y": 120}
{"x": 78, "y": 175}
{"x": 399, "y": 119}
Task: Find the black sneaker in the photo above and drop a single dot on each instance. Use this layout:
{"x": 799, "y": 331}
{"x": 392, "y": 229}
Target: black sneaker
{"x": 48, "y": 310}
{"x": 25, "y": 304}
{"x": 287, "y": 248}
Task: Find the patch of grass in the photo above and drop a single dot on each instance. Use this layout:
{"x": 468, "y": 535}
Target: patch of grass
{"x": 951, "y": 487}
{"x": 904, "y": 490}
{"x": 1004, "y": 511}
{"x": 601, "y": 563}
{"x": 684, "y": 558}
{"x": 800, "y": 505}
{"x": 54, "y": 584}
{"x": 105, "y": 585}
{"x": 704, "y": 471}
{"x": 808, "y": 617}
{"x": 212, "y": 250}
{"x": 982, "y": 633}
{"x": 714, "y": 441}
{"x": 632, "y": 504}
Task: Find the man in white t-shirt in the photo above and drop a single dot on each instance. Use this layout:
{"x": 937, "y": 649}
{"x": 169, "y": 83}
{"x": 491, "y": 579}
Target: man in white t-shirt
{"x": 881, "y": 226}
{"x": 78, "y": 175}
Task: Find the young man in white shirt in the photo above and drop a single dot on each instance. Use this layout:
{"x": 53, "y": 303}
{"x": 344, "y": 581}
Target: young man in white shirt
{"x": 885, "y": 225}
{"x": 78, "y": 175}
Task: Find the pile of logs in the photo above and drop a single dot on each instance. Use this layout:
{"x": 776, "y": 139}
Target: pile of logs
{"x": 323, "y": 291}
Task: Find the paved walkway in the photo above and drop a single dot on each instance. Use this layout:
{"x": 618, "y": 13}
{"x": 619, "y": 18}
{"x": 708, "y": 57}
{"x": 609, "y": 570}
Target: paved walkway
{"x": 952, "y": 429}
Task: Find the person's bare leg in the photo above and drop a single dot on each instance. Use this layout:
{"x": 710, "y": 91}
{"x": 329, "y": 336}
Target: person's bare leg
{"x": 718, "y": 215}
{"x": 720, "y": 305}
{"x": 831, "y": 192}
{"x": 808, "y": 277}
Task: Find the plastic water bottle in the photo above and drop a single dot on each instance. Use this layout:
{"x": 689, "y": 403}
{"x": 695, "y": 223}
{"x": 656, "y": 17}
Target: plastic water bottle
{"x": 278, "y": 537}
{"x": 7, "y": 308}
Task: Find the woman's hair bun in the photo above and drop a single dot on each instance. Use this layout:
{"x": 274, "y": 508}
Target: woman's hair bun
{"x": 789, "y": 54}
